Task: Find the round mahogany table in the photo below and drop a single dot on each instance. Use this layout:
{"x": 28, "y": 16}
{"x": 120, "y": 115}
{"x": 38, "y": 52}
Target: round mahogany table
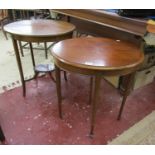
{"x": 96, "y": 57}
{"x": 39, "y": 30}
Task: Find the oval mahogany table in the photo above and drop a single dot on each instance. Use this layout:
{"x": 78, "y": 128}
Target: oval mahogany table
{"x": 39, "y": 30}
{"x": 96, "y": 57}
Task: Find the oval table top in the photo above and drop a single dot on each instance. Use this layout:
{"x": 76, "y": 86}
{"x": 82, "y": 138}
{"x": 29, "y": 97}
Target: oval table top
{"x": 39, "y": 28}
{"x": 98, "y": 53}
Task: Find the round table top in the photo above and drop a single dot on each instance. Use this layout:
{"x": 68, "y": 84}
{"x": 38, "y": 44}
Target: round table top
{"x": 39, "y": 28}
{"x": 97, "y": 53}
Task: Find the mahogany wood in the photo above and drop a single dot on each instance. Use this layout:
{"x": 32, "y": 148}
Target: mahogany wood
{"x": 40, "y": 30}
{"x": 95, "y": 57}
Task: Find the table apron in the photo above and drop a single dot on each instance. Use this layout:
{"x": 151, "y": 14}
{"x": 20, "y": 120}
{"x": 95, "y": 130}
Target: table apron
{"x": 87, "y": 71}
{"x": 42, "y": 38}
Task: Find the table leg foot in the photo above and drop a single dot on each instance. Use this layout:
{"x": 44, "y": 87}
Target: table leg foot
{"x": 91, "y": 134}
{"x": 60, "y": 115}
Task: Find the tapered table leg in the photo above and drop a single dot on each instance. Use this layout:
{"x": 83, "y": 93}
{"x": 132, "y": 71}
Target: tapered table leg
{"x": 94, "y": 102}
{"x": 21, "y": 48}
{"x": 126, "y": 93}
{"x": 58, "y": 87}
{"x": 32, "y": 54}
{"x": 65, "y": 75}
{"x": 46, "y": 50}
{"x": 19, "y": 65}
{"x": 90, "y": 90}
{"x": 50, "y": 74}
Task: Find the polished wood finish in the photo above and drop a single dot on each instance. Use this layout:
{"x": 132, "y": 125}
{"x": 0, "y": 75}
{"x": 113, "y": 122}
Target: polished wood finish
{"x": 37, "y": 31}
{"x": 106, "y": 24}
{"x": 39, "y": 28}
{"x": 102, "y": 23}
{"x": 95, "y": 57}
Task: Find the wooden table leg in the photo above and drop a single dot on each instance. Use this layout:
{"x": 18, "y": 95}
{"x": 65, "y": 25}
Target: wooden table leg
{"x": 94, "y": 102}
{"x": 58, "y": 87}
{"x": 21, "y": 48}
{"x": 46, "y": 50}
{"x": 32, "y": 54}
{"x": 50, "y": 74}
{"x": 126, "y": 93}
{"x": 90, "y": 90}
{"x": 15, "y": 45}
{"x": 65, "y": 76}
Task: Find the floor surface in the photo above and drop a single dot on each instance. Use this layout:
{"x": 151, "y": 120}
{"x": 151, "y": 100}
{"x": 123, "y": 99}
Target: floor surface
{"x": 34, "y": 119}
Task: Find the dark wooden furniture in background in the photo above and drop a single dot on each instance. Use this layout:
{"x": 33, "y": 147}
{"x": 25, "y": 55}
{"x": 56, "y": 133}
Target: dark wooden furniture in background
{"x": 96, "y": 57}
{"x": 105, "y": 24}
{"x": 40, "y": 30}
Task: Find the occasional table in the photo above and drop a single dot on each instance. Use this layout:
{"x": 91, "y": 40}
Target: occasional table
{"x": 96, "y": 57}
{"x": 40, "y": 30}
